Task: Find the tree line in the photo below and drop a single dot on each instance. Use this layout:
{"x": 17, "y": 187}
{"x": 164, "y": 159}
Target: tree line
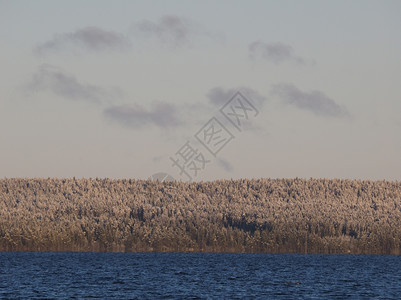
{"x": 258, "y": 215}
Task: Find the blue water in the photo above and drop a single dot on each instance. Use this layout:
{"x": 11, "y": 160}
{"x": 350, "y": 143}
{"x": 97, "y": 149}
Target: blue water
{"x": 198, "y": 276}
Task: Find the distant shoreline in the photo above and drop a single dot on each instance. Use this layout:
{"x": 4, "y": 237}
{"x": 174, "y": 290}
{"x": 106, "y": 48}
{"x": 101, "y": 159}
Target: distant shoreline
{"x": 314, "y": 216}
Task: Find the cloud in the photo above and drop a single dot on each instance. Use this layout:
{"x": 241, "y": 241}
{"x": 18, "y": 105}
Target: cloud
{"x": 89, "y": 38}
{"x": 314, "y": 101}
{"x": 55, "y": 80}
{"x": 166, "y": 115}
{"x": 219, "y": 96}
{"x": 225, "y": 165}
{"x": 163, "y": 115}
{"x": 171, "y": 29}
{"x": 274, "y": 52}
{"x": 157, "y": 158}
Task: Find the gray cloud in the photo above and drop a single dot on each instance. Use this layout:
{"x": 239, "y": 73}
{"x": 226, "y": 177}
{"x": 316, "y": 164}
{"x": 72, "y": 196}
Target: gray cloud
{"x": 89, "y": 38}
{"x": 157, "y": 158}
{"x": 172, "y": 29}
{"x": 314, "y": 101}
{"x": 225, "y": 165}
{"x": 274, "y": 52}
{"x": 163, "y": 115}
{"x": 220, "y": 96}
{"x": 49, "y": 78}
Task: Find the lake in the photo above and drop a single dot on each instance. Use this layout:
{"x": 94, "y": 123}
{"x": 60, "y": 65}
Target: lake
{"x": 198, "y": 275}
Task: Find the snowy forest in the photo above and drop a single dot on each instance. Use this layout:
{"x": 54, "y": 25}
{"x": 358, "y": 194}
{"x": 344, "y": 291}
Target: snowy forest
{"x": 258, "y": 215}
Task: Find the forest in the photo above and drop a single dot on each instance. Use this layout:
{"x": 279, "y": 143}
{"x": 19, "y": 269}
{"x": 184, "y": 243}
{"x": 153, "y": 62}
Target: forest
{"x": 244, "y": 215}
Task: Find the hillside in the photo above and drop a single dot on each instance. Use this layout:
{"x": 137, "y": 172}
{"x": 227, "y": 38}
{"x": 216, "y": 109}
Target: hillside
{"x": 264, "y": 215}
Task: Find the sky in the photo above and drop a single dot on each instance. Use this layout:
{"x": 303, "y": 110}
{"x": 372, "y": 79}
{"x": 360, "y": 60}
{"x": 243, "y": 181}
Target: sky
{"x": 200, "y": 90}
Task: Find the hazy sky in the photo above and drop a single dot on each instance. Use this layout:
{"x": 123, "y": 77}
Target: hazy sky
{"x": 122, "y": 89}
